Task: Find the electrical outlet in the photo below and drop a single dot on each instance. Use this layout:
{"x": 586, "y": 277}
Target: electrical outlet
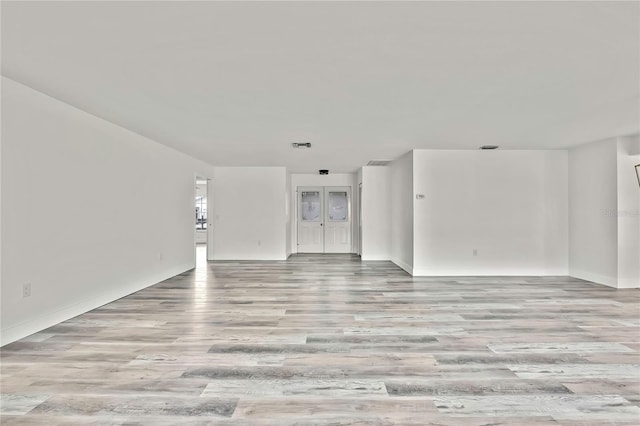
{"x": 26, "y": 290}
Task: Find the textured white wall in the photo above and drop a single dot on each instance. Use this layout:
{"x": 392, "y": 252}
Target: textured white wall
{"x": 556, "y": 212}
{"x": 490, "y": 212}
{"x": 402, "y": 212}
{"x": 358, "y": 183}
{"x": 628, "y": 212}
{"x": 90, "y": 211}
{"x": 593, "y": 205}
{"x": 249, "y": 213}
{"x": 376, "y": 213}
{"x": 289, "y": 214}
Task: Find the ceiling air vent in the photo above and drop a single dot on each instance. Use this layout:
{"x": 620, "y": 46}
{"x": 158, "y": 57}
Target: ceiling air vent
{"x": 301, "y": 144}
{"x": 489, "y": 147}
{"x": 378, "y": 163}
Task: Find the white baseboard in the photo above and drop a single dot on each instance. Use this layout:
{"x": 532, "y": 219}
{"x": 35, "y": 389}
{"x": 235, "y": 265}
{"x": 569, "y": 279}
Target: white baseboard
{"x": 486, "y": 273}
{"x": 48, "y": 319}
{"x": 628, "y": 283}
{"x": 595, "y": 278}
{"x": 403, "y": 265}
{"x": 257, "y": 257}
{"x": 374, "y": 257}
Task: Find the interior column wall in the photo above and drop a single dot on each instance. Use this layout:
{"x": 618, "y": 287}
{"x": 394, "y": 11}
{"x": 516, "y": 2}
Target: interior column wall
{"x": 289, "y": 215}
{"x": 402, "y": 208}
{"x": 593, "y": 205}
{"x": 628, "y": 212}
{"x": 376, "y": 213}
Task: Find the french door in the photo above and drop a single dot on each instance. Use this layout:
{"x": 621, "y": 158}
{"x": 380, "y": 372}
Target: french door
{"x": 324, "y": 219}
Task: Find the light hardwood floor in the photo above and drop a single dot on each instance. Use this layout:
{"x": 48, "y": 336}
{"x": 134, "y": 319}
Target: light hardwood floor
{"x": 328, "y": 339}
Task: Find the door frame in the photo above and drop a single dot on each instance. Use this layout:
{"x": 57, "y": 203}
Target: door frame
{"x": 209, "y": 182}
{"x": 360, "y": 218}
{"x": 323, "y": 190}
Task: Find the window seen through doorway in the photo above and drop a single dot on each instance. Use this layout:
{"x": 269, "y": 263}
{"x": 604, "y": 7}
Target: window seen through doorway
{"x": 201, "y": 212}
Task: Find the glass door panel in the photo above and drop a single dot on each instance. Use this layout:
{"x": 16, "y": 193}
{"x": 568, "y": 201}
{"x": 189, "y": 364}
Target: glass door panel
{"x": 338, "y": 205}
{"x": 310, "y": 206}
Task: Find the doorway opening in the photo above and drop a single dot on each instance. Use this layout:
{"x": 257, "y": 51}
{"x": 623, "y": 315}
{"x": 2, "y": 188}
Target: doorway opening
{"x": 324, "y": 219}
{"x": 360, "y": 219}
{"x": 201, "y": 221}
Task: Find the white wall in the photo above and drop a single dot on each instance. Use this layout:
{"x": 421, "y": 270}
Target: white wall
{"x": 358, "y": 185}
{"x": 201, "y": 237}
{"x": 628, "y": 212}
{"x": 593, "y": 203}
{"x": 376, "y": 213}
{"x": 289, "y": 214}
{"x": 556, "y": 212}
{"x": 490, "y": 212}
{"x": 249, "y": 213}
{"x": 402, "y": 212}
{"x": 314, "y": 179}
{"x": 332, "y": 179}
{"x": 91, "y": 212}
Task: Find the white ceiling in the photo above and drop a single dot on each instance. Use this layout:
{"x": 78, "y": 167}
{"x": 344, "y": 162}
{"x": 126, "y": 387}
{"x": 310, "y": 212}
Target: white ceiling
{"x": 235, "y": 83}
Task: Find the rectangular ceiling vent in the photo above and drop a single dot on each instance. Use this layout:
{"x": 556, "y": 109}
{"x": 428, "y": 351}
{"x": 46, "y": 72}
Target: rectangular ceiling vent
{"x": 301, "y": 144}
{"x": 378, "y": 163}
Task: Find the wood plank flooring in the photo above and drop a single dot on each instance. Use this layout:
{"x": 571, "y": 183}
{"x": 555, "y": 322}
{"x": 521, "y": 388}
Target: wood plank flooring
{"x": 328, "y": 339}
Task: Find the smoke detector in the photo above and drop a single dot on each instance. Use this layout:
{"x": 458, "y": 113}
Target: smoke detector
{"x": 301, "y": 144}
